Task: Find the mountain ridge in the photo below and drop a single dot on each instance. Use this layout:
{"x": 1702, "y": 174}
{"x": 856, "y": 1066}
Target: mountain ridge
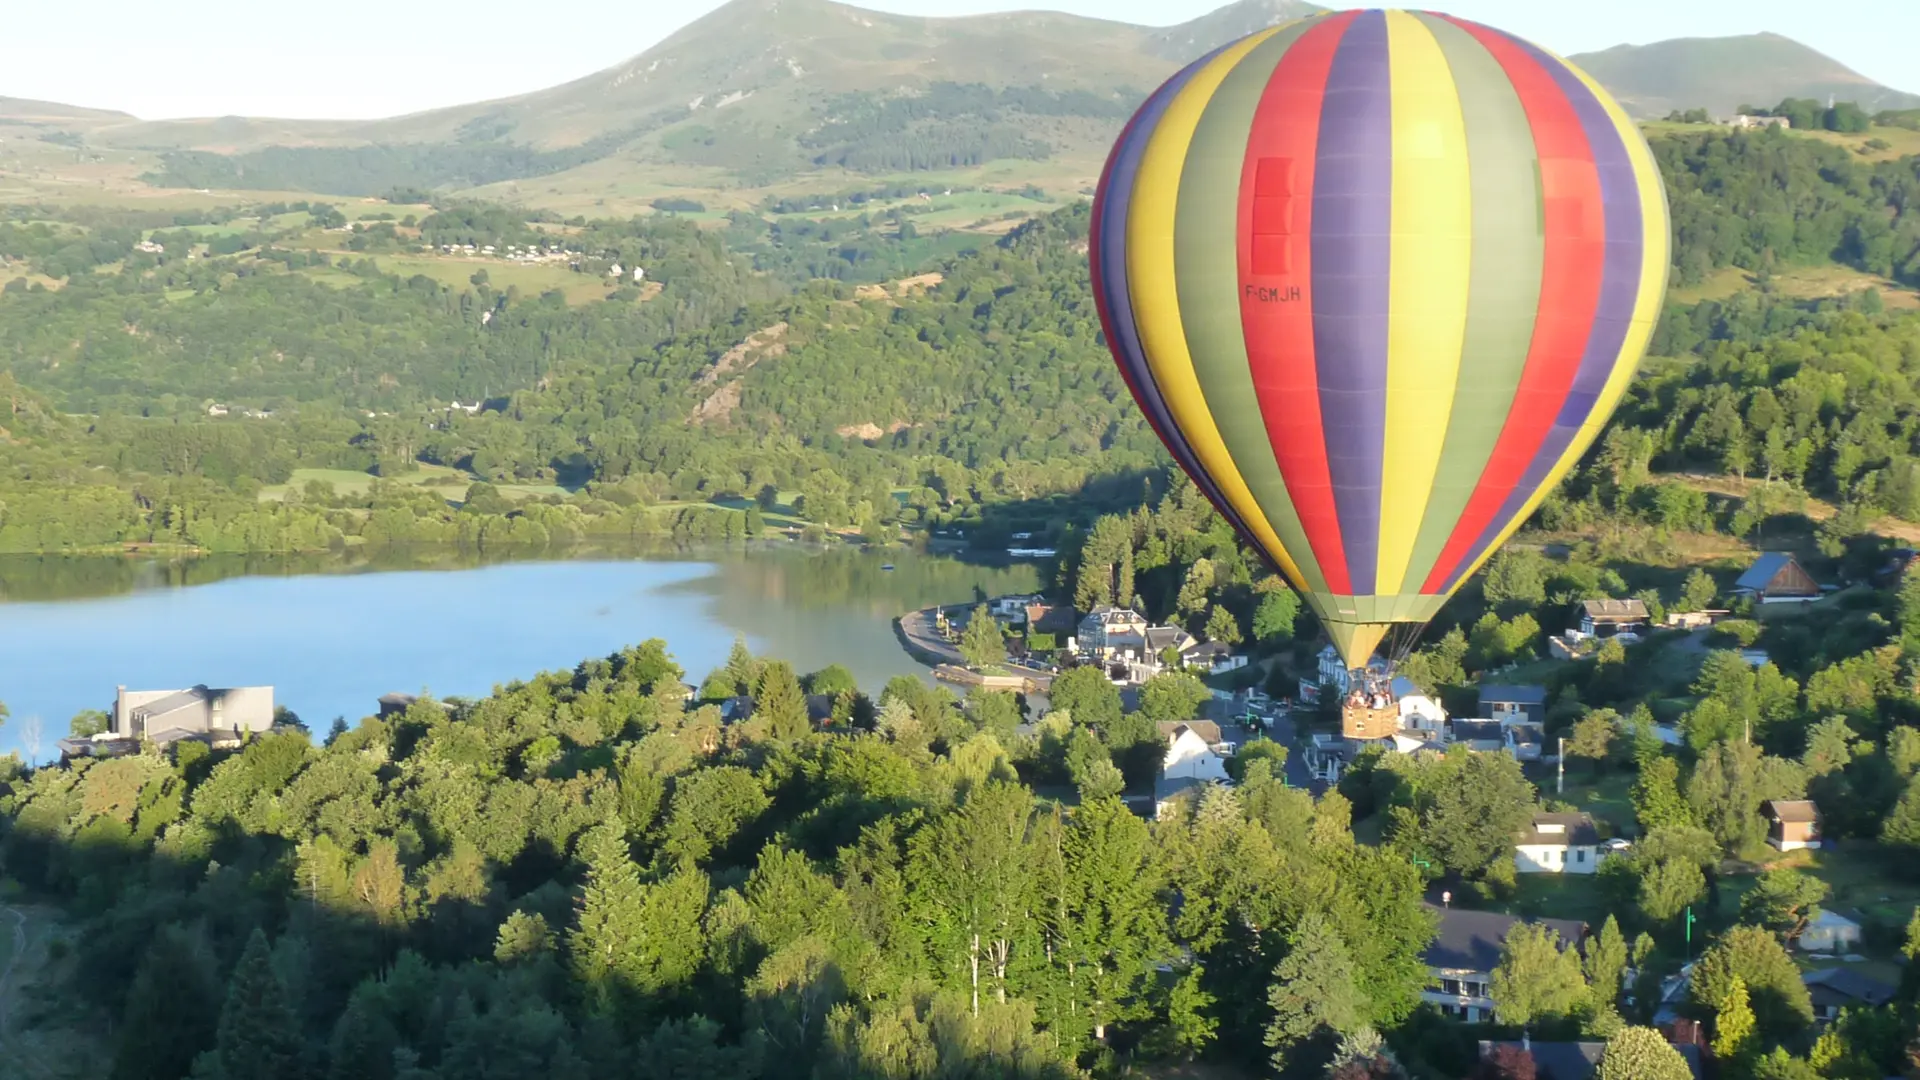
{"x": 760, "y": 93}
{"x": 1722, "y": 73}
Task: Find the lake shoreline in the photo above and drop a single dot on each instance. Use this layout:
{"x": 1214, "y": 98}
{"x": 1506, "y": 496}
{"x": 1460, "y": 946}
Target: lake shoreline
{"x": 333, "y": 637}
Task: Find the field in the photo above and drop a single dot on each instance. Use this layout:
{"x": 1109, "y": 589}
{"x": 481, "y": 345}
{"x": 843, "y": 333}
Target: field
{"x": 1861, "y": 881}
{"x": 449, "y": 484}
{"x": 619, "y": 186}
{"x": 1804, "y": 283}
{"x": 1900, "y": 142}
{"x": 458, "y": 271}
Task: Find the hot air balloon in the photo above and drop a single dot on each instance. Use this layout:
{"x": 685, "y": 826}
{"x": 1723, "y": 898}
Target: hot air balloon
{"x": 1377, "y": 278}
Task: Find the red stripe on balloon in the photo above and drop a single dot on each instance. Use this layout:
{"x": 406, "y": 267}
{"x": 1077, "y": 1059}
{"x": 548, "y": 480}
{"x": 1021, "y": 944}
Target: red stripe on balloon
{"x": 1276, "y": 302}
{"x": 1574, "y": 218}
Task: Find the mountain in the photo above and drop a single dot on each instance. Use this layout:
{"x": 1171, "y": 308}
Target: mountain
{"x": 814, "y": 95}
{"x": 1200, "y": 36}
{"x": 1721, "y": 74}
{"x": 26, "y": 110}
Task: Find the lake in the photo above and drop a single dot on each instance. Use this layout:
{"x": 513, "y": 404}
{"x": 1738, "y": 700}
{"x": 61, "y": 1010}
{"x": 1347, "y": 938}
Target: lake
{"x": 331, "y": 635}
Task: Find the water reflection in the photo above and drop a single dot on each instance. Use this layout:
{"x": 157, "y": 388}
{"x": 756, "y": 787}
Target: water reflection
{"x": 332, "y": 634}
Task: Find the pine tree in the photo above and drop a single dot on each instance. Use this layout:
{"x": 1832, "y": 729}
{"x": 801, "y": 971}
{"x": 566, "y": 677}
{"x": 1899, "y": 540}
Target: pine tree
{"x": 169, "y": 1017}
{"x": 523, "y": 938}
{"x": 1733, "y": 1024}
{"x": 612, "y": 918}
{"x": 1189, "y": 1014}
{"x": 1117, "y": 924}
{"x": 258, "y": 1035}
{"x": 1902, "y": 826}
{"x": 981, "y": 643}
{"x": 363, "y": 1039}
{"x": 1222, "y": 626}
{"x": 1313, "y": 990}
{"x": 1606, "y": 961}
{"x": 742, "y": 670}
{"x": 780, "y": 703}
{"x": 1656, "y": 795}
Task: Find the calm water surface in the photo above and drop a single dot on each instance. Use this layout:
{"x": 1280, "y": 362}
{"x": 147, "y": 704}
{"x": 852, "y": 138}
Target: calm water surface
{"x": 331, "y": 638}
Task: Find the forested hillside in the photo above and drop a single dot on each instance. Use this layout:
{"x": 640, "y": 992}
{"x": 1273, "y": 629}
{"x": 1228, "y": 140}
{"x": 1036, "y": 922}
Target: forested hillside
{"x": 576, "y": 878}
{"x": 992, "y": 386}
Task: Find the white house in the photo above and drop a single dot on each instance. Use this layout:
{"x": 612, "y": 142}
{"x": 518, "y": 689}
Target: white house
{"x": 1196, "y": 758}
{"x": 1829, "y": 932}
{"x": 1525, "y": 741}
{"x": 1611, "y": 618}
{"x": 1514, "y": 703}
{"x": 1334, "y": 673}
{"x": 1418, "y": 712}
{"x": 1013, "y": 607}
{"x": 1480, "y": 736}
{"x": 1108, "y": 628}
{"x": 1194, "y": 749}
{"x": 1558, "y": 844}
{"x": 1212, "y": 657}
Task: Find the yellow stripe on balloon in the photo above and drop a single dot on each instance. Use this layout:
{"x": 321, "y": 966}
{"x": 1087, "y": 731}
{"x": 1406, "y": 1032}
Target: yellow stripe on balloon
{"x": 1156, "y": 305}
{"x": 1427, "y": 291}
{"x": 1656, "y": 240}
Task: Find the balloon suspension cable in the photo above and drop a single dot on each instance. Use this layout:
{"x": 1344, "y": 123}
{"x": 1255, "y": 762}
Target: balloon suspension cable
{"x": 1400, "y": 642}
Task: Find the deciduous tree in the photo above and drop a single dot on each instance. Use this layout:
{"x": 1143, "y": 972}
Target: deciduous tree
{"x": 1639, "y": 1053}
{"x": 1538, "y": 977}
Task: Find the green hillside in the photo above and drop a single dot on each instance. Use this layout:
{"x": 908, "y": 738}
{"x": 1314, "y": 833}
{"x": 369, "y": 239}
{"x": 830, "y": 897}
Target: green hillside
{"x": 1721, "y": 74}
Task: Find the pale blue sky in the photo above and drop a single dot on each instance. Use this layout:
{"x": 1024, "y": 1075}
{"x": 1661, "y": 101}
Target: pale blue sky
{"x": 367, "y": 58}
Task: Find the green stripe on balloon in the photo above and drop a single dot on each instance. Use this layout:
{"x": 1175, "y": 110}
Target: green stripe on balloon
{"x": 1504, "y": 283}
{"x": 1206, "y": 276}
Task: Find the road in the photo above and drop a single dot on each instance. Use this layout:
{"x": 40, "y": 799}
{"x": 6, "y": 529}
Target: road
{"x": 1225, "y": 714}
{"x": 917, "y": 633}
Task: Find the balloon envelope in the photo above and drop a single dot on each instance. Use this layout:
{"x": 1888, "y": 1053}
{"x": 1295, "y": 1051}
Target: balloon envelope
{"x": 1377, "y": 278}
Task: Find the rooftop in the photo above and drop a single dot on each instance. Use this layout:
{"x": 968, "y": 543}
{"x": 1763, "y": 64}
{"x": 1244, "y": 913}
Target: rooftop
{"x": 1474, "y": 730}
{"x": 1471, "y": 940}
{"x": 1166, "y": 788}
{"x": 1527, "y": 734}
{"x": 1616, "y": 609}
{"x": 174, "y": 702}
{"x": 1517, "y": 695}
{"x": 1796, "y": 810}
{"x": 1844, "y": 986}
{"x": 1208, "y": 731}
{"x": 1553, "y": 830}
{"x": 1207, "y": 649}
{"x": 1764, "y": 569}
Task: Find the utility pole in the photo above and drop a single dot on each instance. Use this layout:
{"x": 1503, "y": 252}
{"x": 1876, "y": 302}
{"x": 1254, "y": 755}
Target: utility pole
{"x": 1689, "y": 932}
{"x": 1560, "y": 769}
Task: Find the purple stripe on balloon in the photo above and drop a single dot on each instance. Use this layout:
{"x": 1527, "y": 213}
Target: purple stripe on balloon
{"x": 1115, "y": 200}
{"x": 1352, "y": 263}
{"x": 1619, "y": 292}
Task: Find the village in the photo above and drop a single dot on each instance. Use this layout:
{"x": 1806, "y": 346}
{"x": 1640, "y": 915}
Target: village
{"x": 1336, "y": 721}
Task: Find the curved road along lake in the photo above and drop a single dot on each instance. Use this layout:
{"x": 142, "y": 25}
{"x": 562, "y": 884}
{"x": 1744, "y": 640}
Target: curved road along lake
{"x": 330, "y": 643}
